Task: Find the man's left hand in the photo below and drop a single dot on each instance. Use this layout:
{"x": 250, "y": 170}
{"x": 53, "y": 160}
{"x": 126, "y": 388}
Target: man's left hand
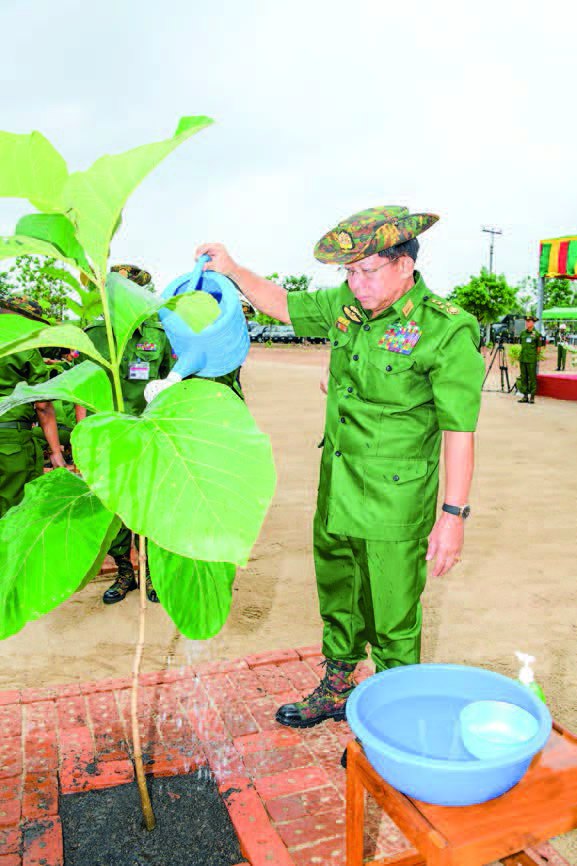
{"x": 57, "y": 460}
{"x": 445, "y": 543}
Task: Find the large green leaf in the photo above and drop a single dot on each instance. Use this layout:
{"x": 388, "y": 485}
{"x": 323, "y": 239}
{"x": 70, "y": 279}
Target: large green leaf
{"x": 17, "y": 334}
{"x": 50, "y": 544}
{"x": 87, "y": 384}
{"x": 59, "y": 232}
{"x": 196, "y": 595}
{"x": 131, "y": 305}
{"x": 21, "y": 245}
{"x": 30, "y": 167}
{"x": 93, "y": 199}
{"x": 193, "y": 472}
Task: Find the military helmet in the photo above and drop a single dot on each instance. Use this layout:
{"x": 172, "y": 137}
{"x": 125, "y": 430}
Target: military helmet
{"x": 25, "y": 306}
{"x": 136, "y": 274}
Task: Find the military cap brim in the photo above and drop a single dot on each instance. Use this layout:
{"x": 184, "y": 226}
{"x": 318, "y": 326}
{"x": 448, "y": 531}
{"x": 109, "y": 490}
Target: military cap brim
{"x": 369, "y": 231}
{"x": 531, "y": 319}
{"x": 136, "y": 274}
{"x": 24, "y": 307}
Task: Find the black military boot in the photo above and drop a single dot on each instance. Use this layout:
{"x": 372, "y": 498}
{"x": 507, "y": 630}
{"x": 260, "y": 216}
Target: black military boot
{"x": 124, "y": 583}
{"x": 524, "y": 400}
{"x": 532, "y": 398}
{"x": 327, "y": 701}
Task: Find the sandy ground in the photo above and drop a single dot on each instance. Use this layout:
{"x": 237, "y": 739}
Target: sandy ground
{"x": 515, "y": 589}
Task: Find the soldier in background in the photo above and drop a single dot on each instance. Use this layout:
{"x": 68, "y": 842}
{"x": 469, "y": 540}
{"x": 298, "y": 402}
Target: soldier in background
{"x": 562, "y": 346}
{"x": 20, "y": 455}
{"x": 530, "y": 340}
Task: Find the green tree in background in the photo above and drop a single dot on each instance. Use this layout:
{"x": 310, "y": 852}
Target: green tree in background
{"x": 559, "y": 292}
{"x": 487, "y": 296}
{"x": 36, "y": 277}
{"x": 291, "y": 283}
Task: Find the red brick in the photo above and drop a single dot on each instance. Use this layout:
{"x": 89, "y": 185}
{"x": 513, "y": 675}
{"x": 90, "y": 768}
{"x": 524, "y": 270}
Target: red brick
{"x": 288, "y": 697}
{"x": 10, "y": 839}
{"x": 220, "y": 667}
{"x": 124, "y": 699}
{"x": 224, "y": 761}
{"x": 315, "y": 663}
{"x": 219, "y": 689}
{"x": 273, "y": 680}
{"x": 11, "y": 720}
{"x": 108, "y": 685}
{"x": 111, "y": 743}
{"x": 331, "y": 852}
{"x": 300, "y": 676}
{"x": 10, "y": 812}
{"x": 10, "y": 757}
{"x": 41, "y": 754}
{"x": 40, "y": 717}
{"x": 274, "y": 760}
{"x": 263, "y": 711}
{"x": 11, "y": 697}
{"x": 280, "y": 738}
{"x": 30, "y": 696}
{"x": 40, "y": 798}
{"x": 71, "y": 712}
{"x": 313, "y": 828}
{"x": 259, "y": 841}
{"x": 291, "y": 781}
{"x": 104, "y": 774}
{"x": 206, "y": 723}
{"x": 171, "y": 762}
{"x": 271, "y": 658}
{"x": 43, "y": 843}
{"x": 102, "y": 708}
{"x": 307, "y": 652}
{"x": 340, "y": 730}
{"x": 238, "y": 720}
{"x": 10, "y": 860}
{"x": 313, "y": 803}
{"x": 10, "y": 787}
{"x": 364, "y": 671}
{"x": 77, "y": 743}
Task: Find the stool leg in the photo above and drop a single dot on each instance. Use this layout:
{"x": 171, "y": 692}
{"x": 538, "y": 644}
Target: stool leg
{"x": 355, "y": 823}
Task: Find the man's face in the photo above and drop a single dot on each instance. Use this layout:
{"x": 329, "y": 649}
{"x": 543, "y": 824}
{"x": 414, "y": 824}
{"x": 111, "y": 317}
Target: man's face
{"x": 529, "y": 324}
{"x": 375, "y": 280}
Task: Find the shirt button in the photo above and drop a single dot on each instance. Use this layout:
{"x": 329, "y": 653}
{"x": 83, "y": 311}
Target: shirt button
{"x": 343, "y": 420}
{"x": 366, "y": 327}
{"x": 355, "y": 357}
{"x": 350, "y": 390}
{"x": 336, "y": 343}
{"x": 388, "y": 368}
{"x": 395, "y": 477}
{"x": 337, "y": 453}
{"x": 425, "y": 297}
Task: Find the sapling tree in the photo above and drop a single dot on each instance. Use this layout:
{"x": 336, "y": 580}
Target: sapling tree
{"x": 193, "y": 474}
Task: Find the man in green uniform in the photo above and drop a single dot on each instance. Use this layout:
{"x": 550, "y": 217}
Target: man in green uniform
{"x": 561, "y": 346}
{"x": 147, "y": 356}
{"x": 58, "y": 361}
{"x": 405, "y": 372}
{"x": 530, "y": 340}
{"x": 20, "y": 455}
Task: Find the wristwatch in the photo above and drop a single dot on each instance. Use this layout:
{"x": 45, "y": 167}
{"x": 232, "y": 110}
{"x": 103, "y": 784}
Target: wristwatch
{"x": 457, "y": 510}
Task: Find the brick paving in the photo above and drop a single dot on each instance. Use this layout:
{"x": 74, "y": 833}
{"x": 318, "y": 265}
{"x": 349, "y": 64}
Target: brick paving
{"x": 284, "y": 788}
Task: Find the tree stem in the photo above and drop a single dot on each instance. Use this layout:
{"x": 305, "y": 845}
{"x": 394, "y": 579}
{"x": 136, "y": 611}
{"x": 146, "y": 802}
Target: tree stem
{"x": 149, "y": 819}
{"x": 114, "y": 361}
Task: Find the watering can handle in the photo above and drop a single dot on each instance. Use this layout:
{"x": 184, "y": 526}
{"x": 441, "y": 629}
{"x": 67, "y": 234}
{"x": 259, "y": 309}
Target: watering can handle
{"x": 197, "y": 273}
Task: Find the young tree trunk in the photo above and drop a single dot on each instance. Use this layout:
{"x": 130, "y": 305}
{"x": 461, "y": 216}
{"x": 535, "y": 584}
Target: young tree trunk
{"x": 149, "y": 819}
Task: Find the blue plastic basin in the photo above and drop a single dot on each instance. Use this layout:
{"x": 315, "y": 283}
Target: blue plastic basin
{"x": 408, "y": 720}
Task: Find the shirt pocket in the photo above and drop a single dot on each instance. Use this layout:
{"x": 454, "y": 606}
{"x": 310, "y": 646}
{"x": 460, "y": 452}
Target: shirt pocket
{"x": 339, "y": 361}
{"x": 391, "y": 377}
{"x": 394, "y": 491}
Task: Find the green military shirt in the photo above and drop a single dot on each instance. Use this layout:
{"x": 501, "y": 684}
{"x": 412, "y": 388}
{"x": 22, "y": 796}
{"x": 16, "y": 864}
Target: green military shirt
{"x": 147, "y": 356}
{"x": 27, "y": 367}
{"x": 386, "y": 409}
{"x": 530, "y": 342}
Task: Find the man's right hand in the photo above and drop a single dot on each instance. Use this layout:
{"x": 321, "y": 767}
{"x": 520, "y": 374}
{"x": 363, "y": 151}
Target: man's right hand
{"x": 220, "y": 260}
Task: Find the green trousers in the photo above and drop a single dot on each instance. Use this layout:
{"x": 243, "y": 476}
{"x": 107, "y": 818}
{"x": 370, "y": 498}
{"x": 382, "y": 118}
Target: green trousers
{"x": 369, "y": 593}
{"x": 528, "y": 378}
{"x": 561, "y": 357}
{"x": 20, "y": 462}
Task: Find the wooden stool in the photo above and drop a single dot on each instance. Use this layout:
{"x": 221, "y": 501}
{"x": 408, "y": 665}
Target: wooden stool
{"x": 543, "y": 804}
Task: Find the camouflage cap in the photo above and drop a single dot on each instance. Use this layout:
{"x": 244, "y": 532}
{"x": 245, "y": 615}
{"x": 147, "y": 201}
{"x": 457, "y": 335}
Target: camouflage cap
{"x": 24, "y": 306}
{"x": 370, "y": 231}
{"x": 136, "y": 274}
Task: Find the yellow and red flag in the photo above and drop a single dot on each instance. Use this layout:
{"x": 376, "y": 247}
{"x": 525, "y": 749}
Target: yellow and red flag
{"x": 558, "y": 258}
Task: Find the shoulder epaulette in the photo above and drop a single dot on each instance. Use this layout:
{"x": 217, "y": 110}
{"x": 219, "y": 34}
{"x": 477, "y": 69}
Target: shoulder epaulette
{"x": 449, "y": 308}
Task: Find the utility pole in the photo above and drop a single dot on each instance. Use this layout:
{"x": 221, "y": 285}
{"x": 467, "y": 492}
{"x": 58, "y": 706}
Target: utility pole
{"x": 491, "y": 231}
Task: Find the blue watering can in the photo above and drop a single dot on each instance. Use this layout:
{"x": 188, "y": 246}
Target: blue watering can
{"x": 222, "y": 346}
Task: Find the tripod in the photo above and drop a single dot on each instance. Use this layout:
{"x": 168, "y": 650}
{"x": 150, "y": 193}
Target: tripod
{"x": 499, "y": 352}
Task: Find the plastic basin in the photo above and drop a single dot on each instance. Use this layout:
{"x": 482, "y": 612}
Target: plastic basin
{"x": 408, "y": 720}
{"x": 493, "y": 729}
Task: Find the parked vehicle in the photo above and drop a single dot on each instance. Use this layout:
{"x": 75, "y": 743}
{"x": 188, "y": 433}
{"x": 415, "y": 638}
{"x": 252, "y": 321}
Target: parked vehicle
{"x": 283, "y": 334}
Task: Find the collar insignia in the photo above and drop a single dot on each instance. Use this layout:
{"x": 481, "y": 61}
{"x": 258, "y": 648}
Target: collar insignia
{"x": 408, "y": 308}
{"x": 353, "y": 313}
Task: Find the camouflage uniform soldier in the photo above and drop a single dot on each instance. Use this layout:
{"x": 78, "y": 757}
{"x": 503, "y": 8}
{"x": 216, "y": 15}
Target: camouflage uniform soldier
{"x": 20, "y": 455}
{"x": 405, "y": 373}
{"x": 147, "y": 356}
{"x": 530, "y": 340}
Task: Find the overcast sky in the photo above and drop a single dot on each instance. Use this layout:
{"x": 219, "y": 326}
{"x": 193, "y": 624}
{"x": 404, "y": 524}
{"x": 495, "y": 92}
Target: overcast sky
{"x": 322, "y": 108}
